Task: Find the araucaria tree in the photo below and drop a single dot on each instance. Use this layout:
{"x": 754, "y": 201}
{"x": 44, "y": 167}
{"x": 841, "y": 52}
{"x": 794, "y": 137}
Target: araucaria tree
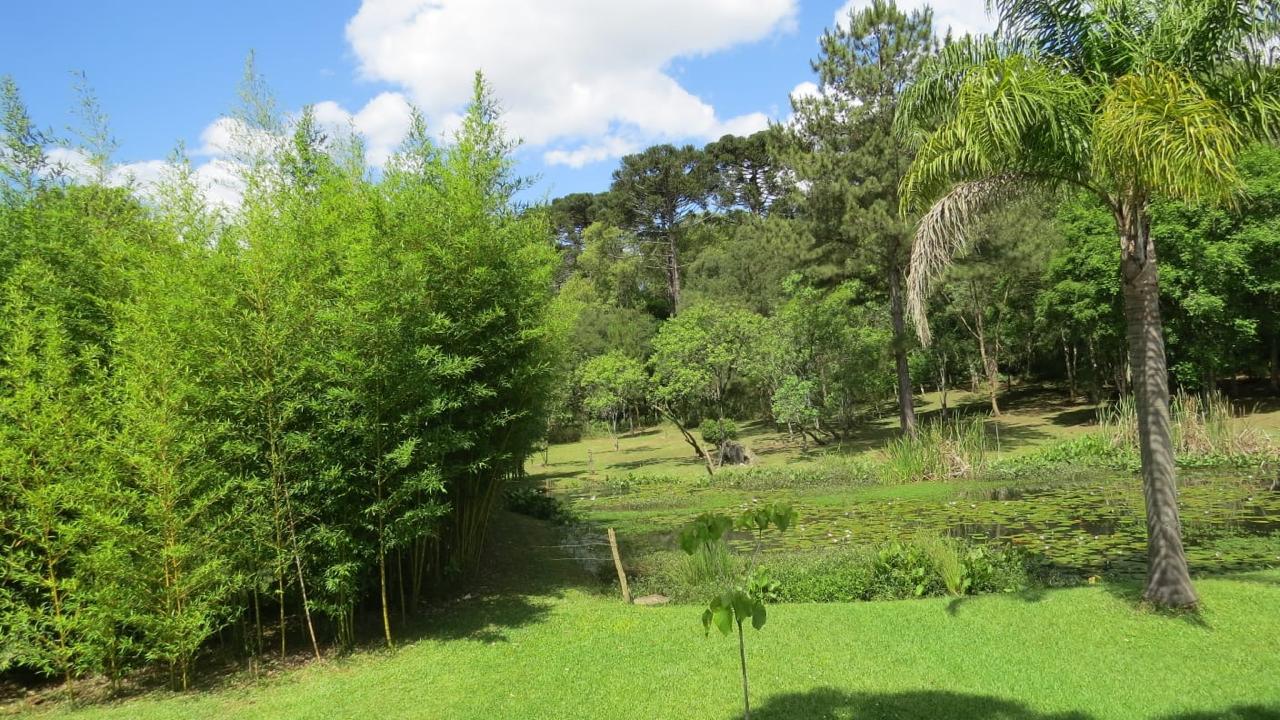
{"x": 1129, "y": 100}
{"x": 654, "y": 193}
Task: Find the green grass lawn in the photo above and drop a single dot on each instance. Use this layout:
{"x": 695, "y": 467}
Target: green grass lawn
{"x": 571, "y": 653}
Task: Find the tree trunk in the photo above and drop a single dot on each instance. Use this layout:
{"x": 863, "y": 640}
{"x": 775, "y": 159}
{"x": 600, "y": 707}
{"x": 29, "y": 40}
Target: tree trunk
{"x": 1168, "y": 579}
{"x": 1095, "y": 373}
{"x": 942, "y": 384}
{"x": 1275, "y": 361}
{"x": 673, "y": 270}
{"x": 382, "y": 586}
{"x": 689, "y": 438}
{"x": 990, "y": 366}
{"x": 906, "y": 411}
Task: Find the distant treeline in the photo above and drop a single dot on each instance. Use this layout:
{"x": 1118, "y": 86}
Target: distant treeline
{"x": 769, "y": 271}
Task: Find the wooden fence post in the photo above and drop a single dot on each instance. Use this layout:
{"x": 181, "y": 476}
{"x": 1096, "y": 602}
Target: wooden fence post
{"x": 617, "y": 563}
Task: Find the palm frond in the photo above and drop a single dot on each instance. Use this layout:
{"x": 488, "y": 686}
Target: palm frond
{"x": 944, "y": 232}
{"x": 1059, "y": 27}
{"x": 1010, "y": 113}
{"x": 1160, "y": 130}
{"x": 1250, "y": 94}
{"x": 1201, "y": 35}
{"x": 930, "y": 99}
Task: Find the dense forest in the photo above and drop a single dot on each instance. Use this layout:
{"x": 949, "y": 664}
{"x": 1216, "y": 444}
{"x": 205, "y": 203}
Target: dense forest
{"x": 290, "y": 422}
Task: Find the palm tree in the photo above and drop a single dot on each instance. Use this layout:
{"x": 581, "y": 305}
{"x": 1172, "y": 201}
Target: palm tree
{"x": 1127, "y": 100}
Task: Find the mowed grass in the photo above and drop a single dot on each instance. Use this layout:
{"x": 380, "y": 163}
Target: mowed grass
{"x": 1080, "y": 653}
{"x": 1031, "y": 419}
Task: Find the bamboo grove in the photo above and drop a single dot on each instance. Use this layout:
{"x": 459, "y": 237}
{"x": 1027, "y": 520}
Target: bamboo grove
{"x": 259, "y": 425}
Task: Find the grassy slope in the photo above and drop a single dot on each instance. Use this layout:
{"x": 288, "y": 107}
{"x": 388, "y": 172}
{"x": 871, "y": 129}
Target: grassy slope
{"x": 1032, "y": 418}
{"x": 539, "y": 643}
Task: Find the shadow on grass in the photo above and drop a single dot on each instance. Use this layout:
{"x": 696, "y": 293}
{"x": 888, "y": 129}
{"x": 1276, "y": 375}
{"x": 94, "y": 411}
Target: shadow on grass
{"x": 641, "y": 464}
{"x": 1130, "y": 593}
{"x": 1087, "y": 415}
{"x": 832, "y": 704}
{"x": 484, "y": 619}
{"x": 1030, "y": 595}
{"x": 548, "y": 476}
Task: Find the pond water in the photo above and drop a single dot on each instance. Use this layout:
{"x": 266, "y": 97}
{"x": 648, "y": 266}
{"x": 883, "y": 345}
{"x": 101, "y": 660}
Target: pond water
{"x": 1231, "y": 522}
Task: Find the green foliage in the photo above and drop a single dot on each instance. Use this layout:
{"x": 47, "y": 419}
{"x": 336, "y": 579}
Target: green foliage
{"x": 537, "y": 503}
{"x": 305, "y": 408}
{"x": 609, "y": 383}
{"x": 926, "y": 566}
{"x": 699, "y": 354}
{"x": 922, "y": 566}
{"x": 718, "y": 432}
{"x": 793, "y": 402}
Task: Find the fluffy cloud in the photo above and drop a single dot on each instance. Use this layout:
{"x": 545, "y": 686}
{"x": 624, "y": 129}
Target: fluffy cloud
{"x": 805, "y": 89}
{"x": 76, "y": 166}
{"x": 961, "y": 16}
{"x": 589, "y": 77}
{"x": 609, "y": 147}
{"x": 218, "y": 176}
{"x": 382, "y": 122}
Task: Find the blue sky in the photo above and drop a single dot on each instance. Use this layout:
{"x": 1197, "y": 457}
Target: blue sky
{"x": 583, "y": 81}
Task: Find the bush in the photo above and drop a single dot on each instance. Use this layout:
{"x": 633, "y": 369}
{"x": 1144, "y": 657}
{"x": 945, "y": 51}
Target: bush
{"x": 536, "y": 503}
{"x": 922, "y": 567}
{"x": 676, "y": 575}
{"x": 718, "y": 432}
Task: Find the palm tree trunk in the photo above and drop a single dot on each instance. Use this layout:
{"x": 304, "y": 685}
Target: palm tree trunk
{"x": 897, "y": 310}
{"x": 1168, "y": 579}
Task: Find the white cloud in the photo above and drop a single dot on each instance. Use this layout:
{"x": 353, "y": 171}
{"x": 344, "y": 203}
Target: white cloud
{"x": 961, "y": 16}
{"x": 145, "y": 174}
{"x": 383, "y": 123}
{"x": 75, "y": 165}
{"x": 218, "y": 178}
{"x": 69, "y": 163}
{"x": 805, "y": 89}
{"x": 578, "y": 72}
{"x": 222, "y": 183}
{"x": 609, "y": 147}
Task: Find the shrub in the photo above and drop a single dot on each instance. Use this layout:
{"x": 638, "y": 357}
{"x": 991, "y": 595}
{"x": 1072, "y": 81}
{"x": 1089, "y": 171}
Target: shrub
{"x": 717, "y": 432}
{"x": 536, "y": 503}
{"x": 921, "y": 567}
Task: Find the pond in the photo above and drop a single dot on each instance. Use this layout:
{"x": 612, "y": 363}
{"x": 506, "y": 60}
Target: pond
{"x": 1231, "y": 522}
